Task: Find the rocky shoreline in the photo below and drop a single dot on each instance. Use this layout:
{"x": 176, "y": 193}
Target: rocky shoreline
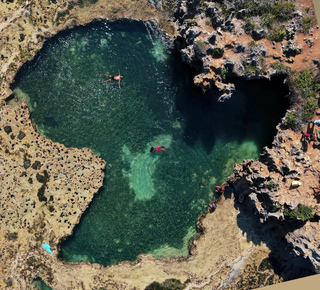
{"x": 43, "y": 199}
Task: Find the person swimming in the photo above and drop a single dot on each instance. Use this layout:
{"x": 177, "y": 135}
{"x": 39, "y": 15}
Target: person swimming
{"x": 158, "y": 148}
{"x": 114, "y": 78}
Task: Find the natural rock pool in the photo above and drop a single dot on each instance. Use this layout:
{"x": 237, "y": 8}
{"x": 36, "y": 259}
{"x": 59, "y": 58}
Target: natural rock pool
{"x": 149, "y": 202}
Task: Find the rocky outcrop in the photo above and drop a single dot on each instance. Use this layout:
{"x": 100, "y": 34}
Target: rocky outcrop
{"x": 284, "y": 178}
{"x": 219, "y": 40}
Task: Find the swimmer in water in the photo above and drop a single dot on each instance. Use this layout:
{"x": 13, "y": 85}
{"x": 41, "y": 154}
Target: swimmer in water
{"x": 158, "y": 148}
{"x": 114, "y": 78}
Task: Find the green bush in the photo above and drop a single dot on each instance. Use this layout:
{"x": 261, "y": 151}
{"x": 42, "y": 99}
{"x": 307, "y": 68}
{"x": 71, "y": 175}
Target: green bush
{"x": 272, "y": 185}
{"x": 306, "y": 83}
{"x": 275, "y": 208}
{"x": 251, "y": 70}
{"x": 283, "y": 11}
{"x": 307, "y": 22}
{"x": 309, "y": 108}
{"x": 11, "y": 236}
{"x": 218, "y": 52}
{"x": 191, "y": 22}
{"x": 249, "y": 25}
{"x": 225, "y": 10}
{"x": 291, "y": 120}
{"x": 224, "y": 73}
{"x": 302, "y": 212}
{"x": 267, "y": 20}
{"x": 277, "y": 34}
{"x": 279, "y": 67}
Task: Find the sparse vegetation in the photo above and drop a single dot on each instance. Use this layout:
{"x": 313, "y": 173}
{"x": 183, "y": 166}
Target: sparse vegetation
{"x": 307, "y": 22}
{"x": 277, "y": 34}
{"x": 291, "y": 120}
{"x": 191, "y": 22}
{"x": 283, "y": 10}
{"x": 268, "y": 20}
{"x": 309, "y": 108}
{"x": 224, "y": 73}
{"x": 218, "y": 52}
{"x": 279, "y": 67}
{"x": 201, "y": 45}
{"x": 272, "y": 13}
{"x": 253, "y": 44}
{"x": 301, "y": 212}
{"x": 11, "y": 236}
{"x": 306, "y": 83}
{"x": 265, "y": 265}
{"x": 272, "y": 185}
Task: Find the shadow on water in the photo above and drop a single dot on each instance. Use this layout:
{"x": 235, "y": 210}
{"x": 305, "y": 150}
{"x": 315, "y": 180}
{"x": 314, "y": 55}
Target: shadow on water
{"x": 248, "y": 115}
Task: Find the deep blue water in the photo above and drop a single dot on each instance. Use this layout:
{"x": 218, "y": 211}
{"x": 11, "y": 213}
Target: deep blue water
{"x": 149, "y": 202}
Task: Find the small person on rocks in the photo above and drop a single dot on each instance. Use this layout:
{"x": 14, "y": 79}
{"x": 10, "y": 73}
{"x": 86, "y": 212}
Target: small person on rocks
{"x": 219, "y": 189}
{"x": 212, "y": 206}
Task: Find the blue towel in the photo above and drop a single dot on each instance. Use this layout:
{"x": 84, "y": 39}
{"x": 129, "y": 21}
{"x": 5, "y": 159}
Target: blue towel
{"x": 47, "y": 248}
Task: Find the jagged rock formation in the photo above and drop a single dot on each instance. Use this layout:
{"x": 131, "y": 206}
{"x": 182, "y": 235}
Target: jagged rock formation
{"x": 220, "y": 39}
{"x": 285, "y": 177}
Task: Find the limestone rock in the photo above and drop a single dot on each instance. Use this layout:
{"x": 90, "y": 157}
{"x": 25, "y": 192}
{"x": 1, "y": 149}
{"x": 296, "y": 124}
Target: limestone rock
{"x": 292, "y": 48}
{"x": 258, "y": 33}
{"x": 306, "y": 242}
{"x": 192, "y": 34}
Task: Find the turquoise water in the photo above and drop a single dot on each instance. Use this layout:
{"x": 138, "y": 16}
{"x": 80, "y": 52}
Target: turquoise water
{"x": 149, "y": 202}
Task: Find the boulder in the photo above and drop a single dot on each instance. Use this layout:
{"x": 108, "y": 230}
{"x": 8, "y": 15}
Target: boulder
{"x": 306, "y": 242}
{"x": 212, "y": 38}
{"x": 214, "y": 13}
{"x": 192, "y": 33}
{"x": 258, "y": 33}
{"x": 241, "y": 13}
{"x": 291, "y": 49}
{"x": 239, "y": 47}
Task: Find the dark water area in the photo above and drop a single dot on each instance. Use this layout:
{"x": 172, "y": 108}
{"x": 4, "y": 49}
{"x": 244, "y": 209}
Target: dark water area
{"x": 38, "y": 284}
{"x": 149, "y": 202}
